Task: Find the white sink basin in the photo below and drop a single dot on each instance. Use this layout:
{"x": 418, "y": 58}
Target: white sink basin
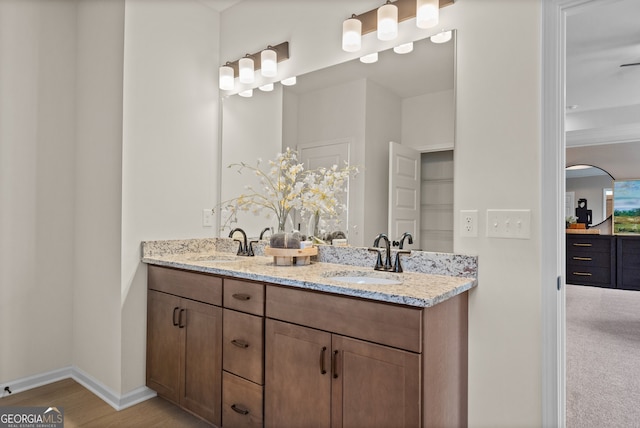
{"x": 365, "y": 280}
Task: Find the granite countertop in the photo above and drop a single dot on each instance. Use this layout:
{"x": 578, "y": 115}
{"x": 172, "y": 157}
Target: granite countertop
{"x": 218, "y": 257}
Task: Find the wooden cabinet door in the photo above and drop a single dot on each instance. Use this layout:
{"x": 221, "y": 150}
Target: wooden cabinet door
{"x": 163, "y": 344}
{"x": 297, "y": 376}
{"x": 201, "y": 374}
{"x": 374, "y": 385}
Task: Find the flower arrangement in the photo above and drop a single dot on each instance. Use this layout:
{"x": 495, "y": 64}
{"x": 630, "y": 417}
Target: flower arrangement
{"x": 287, "y": 186}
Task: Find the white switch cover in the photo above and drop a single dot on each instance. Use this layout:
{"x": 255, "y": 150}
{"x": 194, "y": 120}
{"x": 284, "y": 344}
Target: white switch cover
{"x": 469, "y": 223}
{"x": 207, "y": 217}
{"x": 513, "y": 224}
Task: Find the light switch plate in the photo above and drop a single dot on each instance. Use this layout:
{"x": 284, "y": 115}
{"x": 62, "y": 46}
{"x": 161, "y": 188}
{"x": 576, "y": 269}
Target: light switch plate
{"x": 513, "y": 224}
{"x": 207, "y": 217}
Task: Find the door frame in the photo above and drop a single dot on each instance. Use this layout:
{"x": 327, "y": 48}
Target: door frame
{"x": 552, "y": 223}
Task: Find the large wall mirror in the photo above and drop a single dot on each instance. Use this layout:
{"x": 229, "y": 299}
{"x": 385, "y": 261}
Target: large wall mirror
{"x": 589, "y": 188}
{"x": 405, "y": 98}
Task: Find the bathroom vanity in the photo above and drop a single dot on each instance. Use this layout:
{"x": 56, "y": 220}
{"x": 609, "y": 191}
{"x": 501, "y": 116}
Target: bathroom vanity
{"x": 240, "y": 341}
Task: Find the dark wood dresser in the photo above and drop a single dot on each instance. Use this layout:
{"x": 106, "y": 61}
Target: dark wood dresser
{"x": 628, "y": 262}
{"x": 591, "y": 260}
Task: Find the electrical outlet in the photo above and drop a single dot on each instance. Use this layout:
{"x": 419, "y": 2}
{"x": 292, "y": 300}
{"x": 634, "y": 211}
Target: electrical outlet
{"x": 514, "y": 224}
{"x": 207, "y": 217}
{"x": 469, "y": 223}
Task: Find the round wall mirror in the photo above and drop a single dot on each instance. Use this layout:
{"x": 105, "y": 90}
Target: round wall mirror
{"x": 589, "y": 197}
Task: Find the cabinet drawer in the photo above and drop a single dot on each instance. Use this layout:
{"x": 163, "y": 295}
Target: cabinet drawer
{"x": 243, "y": 345}
{"x": 196, "y": 286}
{"x": 577, "y": 274}
{"x": 581, "y": 258}
{"x": 387, "y": 324}
{"x": 241, "y": 402}
{"x": 244, "y": 296}
{"x": 590, "y": 244}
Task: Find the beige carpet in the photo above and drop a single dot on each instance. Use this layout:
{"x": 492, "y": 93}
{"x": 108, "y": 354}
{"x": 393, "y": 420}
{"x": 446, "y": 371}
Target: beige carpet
{"x": 603, "y": 357}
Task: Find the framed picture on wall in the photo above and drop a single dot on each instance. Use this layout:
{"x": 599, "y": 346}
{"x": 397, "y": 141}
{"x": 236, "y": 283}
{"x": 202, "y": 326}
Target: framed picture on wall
{"x": 626, "y": 207}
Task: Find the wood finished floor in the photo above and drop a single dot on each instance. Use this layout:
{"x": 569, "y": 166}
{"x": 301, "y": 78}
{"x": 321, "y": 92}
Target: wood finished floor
{"x": 84, "y": 409}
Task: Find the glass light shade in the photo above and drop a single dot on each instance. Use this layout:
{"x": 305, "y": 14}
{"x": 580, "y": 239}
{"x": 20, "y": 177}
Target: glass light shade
{"x": 226, "y": 78}
{"x": 403, "y": 48}
{"x": 248, "y": 93}
{"x": 351, "y": 35}
{"x": 442, "y": 37}
{"x": 387, "y": 22}
{"x": 266, "y": 88}
{"x": 246, "y": 70}
{"x": 427, "y": 13}
{"x": 268, "y": 63}
{"x": 369, "y": 59}
{"x": 289, "y": 81}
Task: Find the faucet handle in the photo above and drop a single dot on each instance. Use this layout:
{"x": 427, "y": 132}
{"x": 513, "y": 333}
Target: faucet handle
{"x": 397, "y": 266}
{"x": 379, "y": 265}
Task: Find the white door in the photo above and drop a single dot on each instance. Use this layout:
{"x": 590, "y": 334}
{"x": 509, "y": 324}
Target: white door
{"x": 404, "y": 193}
{"x": 325, "y": 154}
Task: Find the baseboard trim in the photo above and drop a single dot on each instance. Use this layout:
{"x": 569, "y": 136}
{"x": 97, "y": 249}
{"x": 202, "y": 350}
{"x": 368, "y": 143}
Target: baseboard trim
{"x": 118, "y": 402}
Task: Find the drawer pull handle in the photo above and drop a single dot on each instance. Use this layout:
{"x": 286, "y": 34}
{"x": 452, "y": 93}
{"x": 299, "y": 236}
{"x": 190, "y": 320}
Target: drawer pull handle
{"x": 579, "y": 244}
{"x": 240, "y": 343}
{"x": 239, "y": 409}
{"x": 582, "y": 273}
{"x": 584, "y": 259}
{"x": 334, "y": 364}
{"x": 180, "y": 324}
{"x": 322, "y": 368}
{"x": 241, "y": 296}
{"x": 175, "y": 323}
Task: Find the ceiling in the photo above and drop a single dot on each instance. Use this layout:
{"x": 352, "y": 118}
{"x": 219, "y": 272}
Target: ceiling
{"x": 599, "y": 39}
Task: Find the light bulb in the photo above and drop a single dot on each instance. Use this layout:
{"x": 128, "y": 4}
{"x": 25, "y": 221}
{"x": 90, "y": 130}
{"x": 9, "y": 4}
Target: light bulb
{"x": 351, "y": 35}
{"x": 248, "y": 93}
{"x": 369, "y": 59}
{"x": 247, "y": 71}
{"x": 427, "y": 13}
{"x": 387, "y": 22}
{"x": 266, "y": 88}
{"x": 289, "y": 81}
{"x": 403, "y": 48}
{"x": 268, "y": 63}
{"x": 442, "y": 37}
{"x": 226, "y": 78}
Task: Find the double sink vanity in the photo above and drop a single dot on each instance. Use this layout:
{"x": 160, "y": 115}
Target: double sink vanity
{"x": 240, "y": 341}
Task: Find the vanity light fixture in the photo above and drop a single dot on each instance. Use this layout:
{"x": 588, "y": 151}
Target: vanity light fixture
{"x": 369, "y": 59}
{"x": 248, "y": 93}
{"x": 388, "y": 21}
{"x": 441, "y": 37}
{"x": 289, "y": 81}
{"x": 385, "y": 20}
{"x": 404, "y": 48}
{"x": 247, "y": 70}
{"x": 265, "y": 60}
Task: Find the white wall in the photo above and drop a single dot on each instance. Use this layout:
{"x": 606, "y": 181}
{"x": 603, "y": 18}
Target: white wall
{"x": 169, "y": 150}
{"x": 37, "y": 127}
{"x": 428, "y": 121}
{"x": 98, "y": 188}
{"x": 496, "y": 166}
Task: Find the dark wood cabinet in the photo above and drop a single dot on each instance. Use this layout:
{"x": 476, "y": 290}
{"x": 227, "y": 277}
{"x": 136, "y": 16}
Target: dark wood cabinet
{"x": 628, "y": 262}
{"x": 184, "y": 342}
{"x": 591, "y": 260}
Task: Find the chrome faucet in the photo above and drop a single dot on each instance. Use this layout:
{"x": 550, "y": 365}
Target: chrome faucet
{"x": 400, "y": 243}
{"x": 376, "y": 247}
{"x": 243, "y": 247}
